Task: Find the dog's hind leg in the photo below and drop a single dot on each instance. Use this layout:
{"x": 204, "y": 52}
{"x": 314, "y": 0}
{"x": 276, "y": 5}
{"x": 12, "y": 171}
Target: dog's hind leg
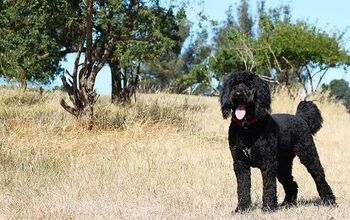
{"x": 307, "y": 153}
{"x": 286, "y": 179}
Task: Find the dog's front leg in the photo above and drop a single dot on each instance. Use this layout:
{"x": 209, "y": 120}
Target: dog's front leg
{"x": 242, "y": 171}
{"x": 269, "y": 174}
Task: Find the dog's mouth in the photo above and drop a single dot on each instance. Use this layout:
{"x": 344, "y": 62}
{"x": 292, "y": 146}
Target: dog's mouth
{"x": 240, "y": 112}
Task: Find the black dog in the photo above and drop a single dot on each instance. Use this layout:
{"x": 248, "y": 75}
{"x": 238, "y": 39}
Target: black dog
{"x": 270, "y": 142}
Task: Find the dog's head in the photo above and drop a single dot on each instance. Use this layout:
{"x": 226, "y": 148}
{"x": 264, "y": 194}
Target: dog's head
{"x": 246, "y": 95}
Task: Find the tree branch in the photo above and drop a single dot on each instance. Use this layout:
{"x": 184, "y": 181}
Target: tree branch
{"x": 269, "y": 79}
{"x": 68, "y": 108}
{"x": 321, "y": 78}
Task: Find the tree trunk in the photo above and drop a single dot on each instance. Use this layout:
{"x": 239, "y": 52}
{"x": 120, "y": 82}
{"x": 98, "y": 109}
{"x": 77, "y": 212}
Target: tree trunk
{"x": 125, "y": 79}
{"x": 80, "y": 87}
{"x": 116, "y": 80}
{"x": 86, "y": 116}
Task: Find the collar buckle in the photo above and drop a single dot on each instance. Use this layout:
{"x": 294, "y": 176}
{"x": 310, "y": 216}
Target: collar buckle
{"x": 245, "y": 124}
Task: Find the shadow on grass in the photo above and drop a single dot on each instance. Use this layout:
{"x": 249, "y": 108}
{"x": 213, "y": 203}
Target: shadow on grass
{"x": 308, "y": 202}
{"x": 281, "y": 207}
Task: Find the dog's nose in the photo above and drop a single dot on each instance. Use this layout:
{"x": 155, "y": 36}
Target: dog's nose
{"x": 238, "y": 94}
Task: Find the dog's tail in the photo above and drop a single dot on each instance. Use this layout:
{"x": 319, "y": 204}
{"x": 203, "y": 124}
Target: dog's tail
{"x": 309, "y": 112}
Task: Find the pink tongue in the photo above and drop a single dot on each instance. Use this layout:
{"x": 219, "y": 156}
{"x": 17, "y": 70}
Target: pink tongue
{"x": 240, "y": 112}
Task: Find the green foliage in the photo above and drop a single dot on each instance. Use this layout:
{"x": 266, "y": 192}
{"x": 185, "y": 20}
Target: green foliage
{"x": 162, "y": 73}
{"x": 245, "y": 20}
{"x": 339, "y": 88}
{"x": 186, "y": 71}
{"x": 286, "y": 51}
{"x": 36, "y": 35}
{"x": 301, "y": 44}
{"x": 32, "y": 34}
{"x": 234, "y": 56}
{"x": 234, "y": 43}
{"x": 197, "y": 80}
{"x": 195, "y": 75}
{"x": 299, "y": 52}
{"x": 141, "y": 32}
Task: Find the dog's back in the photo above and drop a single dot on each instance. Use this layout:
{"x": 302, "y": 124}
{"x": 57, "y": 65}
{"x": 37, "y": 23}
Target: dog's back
{"x": 307, "y": 121}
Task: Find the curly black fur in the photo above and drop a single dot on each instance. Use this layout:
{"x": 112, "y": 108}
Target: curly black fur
{"x": 311, "y": 115}
{"x": 270, "y": 142}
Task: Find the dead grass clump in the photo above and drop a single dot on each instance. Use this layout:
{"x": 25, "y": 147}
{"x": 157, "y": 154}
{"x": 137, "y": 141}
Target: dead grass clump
{"x": 155, "y": 112}
{"x": 23, "y": 166}
{"x": 109, "y": 116}
{"x": 144, "y": 111}
{"x": 23, "y": 98}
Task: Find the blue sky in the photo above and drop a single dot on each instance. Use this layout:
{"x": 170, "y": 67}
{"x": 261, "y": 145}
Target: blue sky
{"x": 330, "y": 15}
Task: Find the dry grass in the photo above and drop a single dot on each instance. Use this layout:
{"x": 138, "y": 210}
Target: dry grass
{"x": 164, "y": 157}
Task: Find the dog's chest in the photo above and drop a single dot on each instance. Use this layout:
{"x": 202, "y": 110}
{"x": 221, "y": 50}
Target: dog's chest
{"x": 251, "y": 155}
{"x": 252, "y": 145}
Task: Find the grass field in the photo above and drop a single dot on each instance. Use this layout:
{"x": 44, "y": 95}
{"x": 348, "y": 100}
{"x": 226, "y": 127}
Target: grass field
{"x": 165, "y": 157}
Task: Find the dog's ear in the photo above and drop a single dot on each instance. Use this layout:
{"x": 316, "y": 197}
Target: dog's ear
{"x": 262, "y": 98}
{"x": 226, "y": 111}
{"x": 225, "y": 101}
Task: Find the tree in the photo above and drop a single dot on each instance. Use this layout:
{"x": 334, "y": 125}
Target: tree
{"x": 300, "y": 53}
{"x": 186, "y": 72}
{"x": 233, "y": 42}
{"x": 243, "y": 24}
{"x": 160, "y": 73}
{"x": 121, "y": 34}
{"x": 146, "y": 32}
{"x": 195, "y": 75}
{"x": 339, "y": 88}
{"x": 245, "y": 20}
{"x": 196, "y": 81}
{"x": 237, "y": 55}
{"x": 282, "y": 51}
{"x": 35, "y": 36}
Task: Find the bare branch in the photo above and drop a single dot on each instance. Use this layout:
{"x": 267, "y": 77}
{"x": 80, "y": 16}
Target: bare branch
{"x": 275, "y": 58}
{"x": 269, "y": 79}
{"x": 75, "y": 70}
{"x": 43, "y": 57}
{"x": 321, "y": 78}
{"x": 301, "y": 80}
{"x": 106, "y": 55}
{"x": 66, "y": 85}
{"x": 68, "y": 73}
{"x": 68, "y": 108}
{"x": 308, "y": 72}
{"x": 321, "y": 69}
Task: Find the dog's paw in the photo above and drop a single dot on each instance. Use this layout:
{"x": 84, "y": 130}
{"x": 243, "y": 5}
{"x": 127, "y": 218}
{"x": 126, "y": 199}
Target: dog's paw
{"x": 241, "y": 209}
{"x": 288, "y": 204}
{"x": 269, "y": 208}
{"x": 329, "y": 201}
